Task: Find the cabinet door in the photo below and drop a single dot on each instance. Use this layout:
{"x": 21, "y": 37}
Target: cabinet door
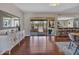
{"x": 4, "y": 44}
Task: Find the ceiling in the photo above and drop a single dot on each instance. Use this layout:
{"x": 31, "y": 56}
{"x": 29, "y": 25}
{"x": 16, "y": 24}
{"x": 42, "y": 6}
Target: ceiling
{"x": 5, "y": 14}
{"x": 46, "y": 7}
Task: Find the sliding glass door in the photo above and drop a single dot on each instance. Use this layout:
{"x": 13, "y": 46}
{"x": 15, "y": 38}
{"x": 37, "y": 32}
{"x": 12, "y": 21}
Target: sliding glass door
{"x": 41, "y": 26}
{"x": 38, "y": 27}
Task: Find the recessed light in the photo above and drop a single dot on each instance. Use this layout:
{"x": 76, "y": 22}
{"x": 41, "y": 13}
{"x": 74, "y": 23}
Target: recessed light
{"x": 54, "y": 4}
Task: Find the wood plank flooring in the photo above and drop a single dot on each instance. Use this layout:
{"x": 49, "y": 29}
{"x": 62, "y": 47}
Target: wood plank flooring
{"x": 35, "y": 45}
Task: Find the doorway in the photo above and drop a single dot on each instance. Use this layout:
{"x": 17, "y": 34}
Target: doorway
{"x": 38, "y": 27}
{"x": 41, "y": 25}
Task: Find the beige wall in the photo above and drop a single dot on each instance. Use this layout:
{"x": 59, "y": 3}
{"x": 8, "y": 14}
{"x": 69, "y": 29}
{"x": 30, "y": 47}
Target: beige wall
{"x": 27, "y": 24}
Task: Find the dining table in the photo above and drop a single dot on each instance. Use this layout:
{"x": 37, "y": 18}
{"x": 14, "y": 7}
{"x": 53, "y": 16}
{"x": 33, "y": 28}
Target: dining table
{"x": 76, "y": 35}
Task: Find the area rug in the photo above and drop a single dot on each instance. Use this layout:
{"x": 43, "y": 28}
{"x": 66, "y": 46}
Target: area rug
{"x": 64, "y": 47}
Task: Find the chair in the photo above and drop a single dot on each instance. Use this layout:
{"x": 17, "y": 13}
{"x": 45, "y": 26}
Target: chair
{"x": 77, "y": 47}
{"x": 73, "y": 40}
{"x": 71, "y": 37}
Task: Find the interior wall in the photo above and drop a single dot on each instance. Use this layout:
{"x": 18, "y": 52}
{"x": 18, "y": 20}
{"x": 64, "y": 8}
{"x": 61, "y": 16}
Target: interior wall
{"x": 27, "y": 24}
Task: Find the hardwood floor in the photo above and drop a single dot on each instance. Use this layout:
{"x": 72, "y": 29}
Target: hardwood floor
{"x": 62, "y": 38}
{"x": 35, "y": 45}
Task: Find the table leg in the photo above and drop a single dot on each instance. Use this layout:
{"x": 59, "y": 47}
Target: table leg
{"x": 9, "y": 52}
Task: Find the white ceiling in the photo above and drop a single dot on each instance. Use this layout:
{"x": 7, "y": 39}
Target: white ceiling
{"x": 45, "y": 7}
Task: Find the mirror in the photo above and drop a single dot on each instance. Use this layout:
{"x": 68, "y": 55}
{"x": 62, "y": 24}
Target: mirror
{"x": 8, "y": 20}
